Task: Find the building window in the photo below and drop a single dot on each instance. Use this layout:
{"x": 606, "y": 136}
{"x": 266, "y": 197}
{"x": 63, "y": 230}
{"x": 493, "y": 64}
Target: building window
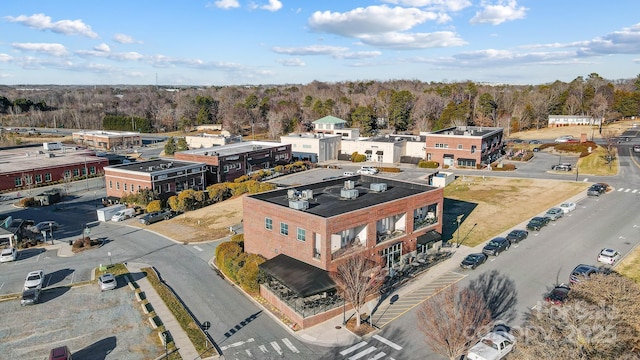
{"x": 38, "y": 178}
{"x": 47, "y": 177}
{"x": 125, "y": 187}
{"x": 67, "y": 174}
{"x": 18, "y": 181}
{"x": 460, "y": 147}
{"x": 139, "y": 188}
{"x": 473, "y": 149}
{"x": 76, "y": 172}
{"x": 302, "y": 234}
{"x": 117, "y": 185}
{"x": 442, "y": 146}
{"x": 110, "y": 184}
{"x": 92, "y": 170}
{"x": 168, "y": 187}
{"x": 84, "y": 171}
{"x": 305, "y": 146}
{"x": 284, "y": 229}
{"x": 268, "y": 224}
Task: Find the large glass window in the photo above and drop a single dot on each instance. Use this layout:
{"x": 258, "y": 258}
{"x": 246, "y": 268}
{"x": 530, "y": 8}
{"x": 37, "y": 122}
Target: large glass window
{"x": 268, "y": 223}
{"x": 18, "y": 181}
{"x": 284, "y": 229}
{"x": 76, "y": 172}
{"x": 392, "y": 255}
{"x": 47, "y": 177}
{"x": 302, "y": 234}
{"x": 38, "y": 178}
{"x": 425, "y": 216}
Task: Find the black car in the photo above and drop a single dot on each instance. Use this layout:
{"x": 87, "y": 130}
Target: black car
{"x": 30, "y": 296}
{"x": 517, "y": 235}
{"x": 538, "y": 223}
{"x": 597, "y": 189}
{"x": 473, "y": 260}
{"x": 558, "y": 295}
{"x": 495, "y": 246}
{"x": 535, "y": 142}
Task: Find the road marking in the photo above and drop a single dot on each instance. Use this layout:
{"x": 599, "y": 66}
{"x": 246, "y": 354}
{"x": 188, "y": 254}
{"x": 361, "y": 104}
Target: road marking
{"x": 197, "y": 248}
{"x": 634, "y": 191}
{"x": 363, "y": 353}
{"x": 290, "y": 345}
{"x": 627, "y": 190}
{"x": 263, "y": 349}
{"x": 388, "y": 342}
{"x": 276, "y": 347}
{"x": 1, "y": 285}
{"x": 379, "y": 355}
{"x": 236, "y": 344}
{"x": 353, "y": 348}
{"x": 248, "y": 353}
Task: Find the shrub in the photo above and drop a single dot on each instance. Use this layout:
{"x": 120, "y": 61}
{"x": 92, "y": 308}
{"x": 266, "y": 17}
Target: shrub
{"x": 27, "y": 202}
{"x": 240, "y": 179}
{"x": 155, "y": 205}
{"x": 428, "y": 164}
{"x": 389, "y": 169}
{"x": 504, "y": 167}
{"x": 248, "y": 273}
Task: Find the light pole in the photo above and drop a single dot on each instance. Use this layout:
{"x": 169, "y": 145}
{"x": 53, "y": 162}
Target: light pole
{"x": 165, "y": 338}
{"x": 458, "y": 220}
{"x": 109, "y": 254}
{"x": 51, "y": 230}
{"x": 344, "y": 311}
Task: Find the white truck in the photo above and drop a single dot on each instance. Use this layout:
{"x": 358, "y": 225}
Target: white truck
{"x": 124, "y": 214}
{"x": 106, "y": 213}
{"x": 493, "y": 346}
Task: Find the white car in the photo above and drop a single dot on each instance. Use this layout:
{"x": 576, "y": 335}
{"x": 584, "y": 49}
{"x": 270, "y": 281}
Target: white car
{"x": 34, "y": 280}
{"x": 568, "y": 207}
{"x": 107, "y": 282}
{"x": 608, "y": 256}
{"x": 493, "y": 346}
{"x": 8, "y": 254}
{"x": 368, "y": 170}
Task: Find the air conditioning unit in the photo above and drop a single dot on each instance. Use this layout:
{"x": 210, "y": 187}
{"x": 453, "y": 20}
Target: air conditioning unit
{"x": 307, "y": 194}
{"x": 349, "y": 184}
{"x": 292, "y": 194}
{"x": 299, "y": 204}
{"x": 378, "y": 187}
{"x": 348, "y": 194}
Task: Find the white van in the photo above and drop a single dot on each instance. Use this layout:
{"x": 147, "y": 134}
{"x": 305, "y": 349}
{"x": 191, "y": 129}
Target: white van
{"x": 124, "y": 214}
{"x": 368, "y": 170}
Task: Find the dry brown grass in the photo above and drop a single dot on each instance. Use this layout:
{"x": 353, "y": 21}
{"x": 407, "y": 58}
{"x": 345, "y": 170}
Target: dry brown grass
{"x": 502, "y": 203}
{"x": 548, "y": 133}
{"x": 630, "y": 265}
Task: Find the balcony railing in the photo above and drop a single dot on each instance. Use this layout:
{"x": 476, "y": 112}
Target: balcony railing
{"x": 389, "y": 234}
{"x": 424, "y": 222}
{"x": 352, "y": 246}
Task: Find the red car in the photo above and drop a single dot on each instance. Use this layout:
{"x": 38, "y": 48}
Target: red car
{"x": 60, "y": 353}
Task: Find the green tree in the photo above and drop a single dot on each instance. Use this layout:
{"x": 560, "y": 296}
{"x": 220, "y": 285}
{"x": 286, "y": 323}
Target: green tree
{"x": 170, "y": 147}
{"x": 204, "y": 116}
{"x": 364, "y": 119}
{"x": 400, "y": 110}
{"x": 182, "y": 144}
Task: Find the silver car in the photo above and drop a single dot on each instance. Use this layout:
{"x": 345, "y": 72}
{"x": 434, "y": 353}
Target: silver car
{"x": 107, "y": 282}
{"x": 554, "y": 213}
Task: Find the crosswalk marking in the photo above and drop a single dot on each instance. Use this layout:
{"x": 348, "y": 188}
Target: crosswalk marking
{"x": 379, "y": 355}
{"x": 290, "y": 345}
{"x": 353, "y": 348}
{"x": 248, "y": 353}
{"x": 387, "y": 342}
{"x": 235, "y": 344}
{"x": 363, "y": 353}
{"x": 276, "y": 347}
{"x": 263, "y": 349}
{"x": 197, "y": 248}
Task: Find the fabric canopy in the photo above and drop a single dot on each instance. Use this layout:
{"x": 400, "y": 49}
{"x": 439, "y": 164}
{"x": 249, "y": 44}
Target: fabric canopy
{"x": 429, "y": 237}
{"x": 302, "y": 278}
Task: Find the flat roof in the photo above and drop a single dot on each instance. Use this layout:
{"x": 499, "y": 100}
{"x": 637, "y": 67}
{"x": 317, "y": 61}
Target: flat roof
{"x": 106, "y": 133}
{"x": 154, "y": 165}
{"x": 310, "y": 135}
{"x": 473, "y": 131}
{"x": 327, "y": 200}
{"x": 30, "y": 158}
{"x": 234, "y": 149}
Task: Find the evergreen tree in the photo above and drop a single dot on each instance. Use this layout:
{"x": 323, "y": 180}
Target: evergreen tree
{"x": 170, "y": 147}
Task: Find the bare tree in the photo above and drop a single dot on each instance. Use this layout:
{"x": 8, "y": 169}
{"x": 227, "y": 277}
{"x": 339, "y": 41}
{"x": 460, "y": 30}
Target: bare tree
{"x": 275, "y": 124}
{"x": 498, "y": 293}
{"x": 357, "y": 278}
{"x": 452, "y": 319}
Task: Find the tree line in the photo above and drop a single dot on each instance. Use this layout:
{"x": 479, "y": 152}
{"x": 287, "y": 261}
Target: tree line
{"x": 273, "y": 110}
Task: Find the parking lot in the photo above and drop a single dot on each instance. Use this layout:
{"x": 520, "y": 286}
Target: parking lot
{"x": 93, "y": 324}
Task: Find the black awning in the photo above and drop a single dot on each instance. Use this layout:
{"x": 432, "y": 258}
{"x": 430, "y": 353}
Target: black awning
{"x": 429, "y": 237}
{"x": 300, "y": 277}
{"x": 464, "y": 159}
{"x": 448, "y": 156}
{"x": 368, "y": 151}
{"x": 379, "y": 152}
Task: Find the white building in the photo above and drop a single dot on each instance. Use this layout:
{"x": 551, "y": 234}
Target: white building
{"x": 336, "y": 126}
{"x": 314, "y": 147}
{"x": 571, "y": 120}
{"x": 210, "y": 140}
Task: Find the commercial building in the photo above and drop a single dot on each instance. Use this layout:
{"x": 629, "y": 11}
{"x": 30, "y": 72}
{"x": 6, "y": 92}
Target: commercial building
{"x": 107, "y": 140}
{"x": 313, "y": 147}
{"x": 307, "y": 230}
{"x": 228, "y": 162}
{"x": 573, "y": 120}
{"x": 464, "y": 146}
{"x": 166, "y": 177}
{"x": 210, "y": 140}
{"x": 26, "y": 168}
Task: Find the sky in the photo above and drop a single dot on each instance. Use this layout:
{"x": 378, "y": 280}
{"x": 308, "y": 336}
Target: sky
{"x": 258, "y": 42}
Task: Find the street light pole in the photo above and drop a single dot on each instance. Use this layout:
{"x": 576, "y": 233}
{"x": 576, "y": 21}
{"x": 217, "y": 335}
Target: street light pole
{"x": 344, "y": 311}
{"x": 458, "y": 220}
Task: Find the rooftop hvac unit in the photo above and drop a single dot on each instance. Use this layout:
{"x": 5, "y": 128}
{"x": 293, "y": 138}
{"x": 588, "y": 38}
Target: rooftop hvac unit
{"x": 150, "y": 168}
{"x": 349, "y": 194}
{"x": 292, "y": 194}
{"x": 379, "y": 187}
{"x": 307, "y": 194}
{"x": 299, "y": 204}
{"x": 349, "y": 184}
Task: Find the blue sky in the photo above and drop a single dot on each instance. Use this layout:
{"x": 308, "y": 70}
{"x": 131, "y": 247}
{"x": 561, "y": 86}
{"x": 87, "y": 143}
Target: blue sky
{"x": 237, "y": 42}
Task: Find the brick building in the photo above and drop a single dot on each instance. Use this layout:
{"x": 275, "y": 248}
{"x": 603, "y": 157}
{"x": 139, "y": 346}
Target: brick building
{"x": 107, "y": 140}
{"x": 306, "y": 231}
{"x": 165, "y": 176}
{"x": 464, "y": 146}
{"x": 228, "y": 162}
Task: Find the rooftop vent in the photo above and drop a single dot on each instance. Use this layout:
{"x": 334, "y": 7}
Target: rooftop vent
{"x": 299, "y": 204}
{"x": 307, "y": 194}
{"x": 349, "y": 184}
{"x": 348, "y": 194}
{"x": 378, "y": 187}
{"x": 150, "y": 168}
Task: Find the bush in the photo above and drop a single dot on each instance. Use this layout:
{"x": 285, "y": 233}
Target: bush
{"x": 78, "y": 244}
{"x": 389, "y": 169}
{"x": 355, "y": 157}
{"x": 27, "y": 202}
{"x": 428, "y": 164}
{"x": 155, "y": 205}
{"x": 504, "y": 167}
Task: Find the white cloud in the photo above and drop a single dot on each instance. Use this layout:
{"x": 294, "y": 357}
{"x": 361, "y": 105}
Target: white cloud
{"x": 99, "y": 52}
{"x": 625, "y": 41}
{"x": 224, "y": 4}
{"x": 102, "y": 47}
{"x": 45, "y": 48}
{"x": 5, "y": 58}
{"x": 398, "y": 40}
{"x": 125, "y": 39}
{"x": 442, "y": 5}
{"x": 358, "y": 55}
{"x": 66, "y": 27}
{"x": 295, "y": 62}
{"x": 501, "y": 12}
{"x": 310, "y": 50}
{"x": 273, "y": 5}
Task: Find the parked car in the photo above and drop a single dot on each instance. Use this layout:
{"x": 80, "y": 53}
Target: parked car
{"x": 495, "y": 246}
{"x": 8, "y": 254}
{"x": 558, "y": 295}
{"x": 535, "y": 142}
{"x": 30, "y": 296}
{"x": 43, "y": 225}
{"x": 493, "y": 346}
{"x": 60, "y": 353}
{"x": 537, "y": 223}
{"x": 34, "y": 280}
{"x": 348, "y": 173}
{"x": 568, "y": 207}
{"x": 472, "y": 261}
{"x": 515, "y": 236}
{"x": 582, "y": 272}
{"x": 561, "y": 167}
{"x": 368, "y": 170}
{"x": 636, "y": 148}
{"x": 564, "y": 139}
{"x": 107, "y": 282}
{"x": 154, "y": 217}
{"x": 597, "y": 189}
{"x": 554, "y": 213}
{"x": 608, "y": 256}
